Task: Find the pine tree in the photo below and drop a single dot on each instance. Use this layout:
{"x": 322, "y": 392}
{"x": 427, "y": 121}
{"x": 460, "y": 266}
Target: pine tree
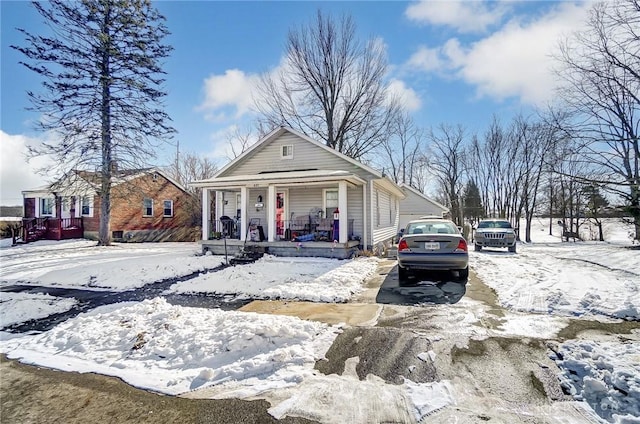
{"x": 472, "y": 203}
{"x": 101, "y": 96}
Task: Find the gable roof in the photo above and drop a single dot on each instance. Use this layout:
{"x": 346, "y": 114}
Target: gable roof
{"x": 90, "y": 180}
{"x": 281, "y": 130}
{"x": 275, "y": 134}
{"x": 405, "y": 186}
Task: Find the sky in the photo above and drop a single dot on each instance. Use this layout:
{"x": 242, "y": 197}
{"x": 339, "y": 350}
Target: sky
{"x": 212, "y": 353}
{"x": 450, "y": 62}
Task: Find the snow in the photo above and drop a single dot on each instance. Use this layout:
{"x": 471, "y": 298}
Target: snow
{"x": 587, "y": 279}
{"x": 271, "y": 277}
{"x": 20, "y": 307}
{"x": 82, "y": 264}
{"x": 174, "y": 349}
{"x": 606, "y": 375}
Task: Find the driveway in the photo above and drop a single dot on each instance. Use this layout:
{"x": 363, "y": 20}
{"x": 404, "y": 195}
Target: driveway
{"x": 498, "y": 377}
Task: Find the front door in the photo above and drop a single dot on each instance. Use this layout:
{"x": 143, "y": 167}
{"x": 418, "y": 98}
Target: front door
{"x": 281, "y": 214}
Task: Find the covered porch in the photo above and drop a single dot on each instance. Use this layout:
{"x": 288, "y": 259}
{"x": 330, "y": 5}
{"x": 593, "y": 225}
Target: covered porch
{"x": 297, "y": 213}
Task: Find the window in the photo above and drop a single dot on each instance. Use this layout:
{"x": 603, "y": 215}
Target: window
{"x": 66, "y": 203}
{"x": 287, "y": 151}
{"x": 168, "y": 208}
{"x": 46, "y": 206}
{"x": 85, "y": 205}
{"x": 147, "y": 207}
{"x": 330, "y": 203}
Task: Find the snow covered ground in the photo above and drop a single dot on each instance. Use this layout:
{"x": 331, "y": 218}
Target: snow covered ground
{"x": 174, "y": 349}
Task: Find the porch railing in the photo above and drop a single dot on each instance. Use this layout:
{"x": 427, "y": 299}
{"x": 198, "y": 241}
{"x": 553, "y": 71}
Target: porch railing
{"x": 51, "y": 228}
{"x": 297, "y": 229}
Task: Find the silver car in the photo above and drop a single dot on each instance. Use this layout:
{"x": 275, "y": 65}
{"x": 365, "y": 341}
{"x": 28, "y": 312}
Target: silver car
{"x": 432, "y": 244}
{"x": 495, "y": 233}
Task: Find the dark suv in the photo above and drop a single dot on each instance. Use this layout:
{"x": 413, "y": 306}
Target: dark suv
{"x": 495, "y": 233}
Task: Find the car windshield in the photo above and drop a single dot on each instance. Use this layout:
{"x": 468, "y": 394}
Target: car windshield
{"x": 494, "y": 224}
{"x": 431, "y": 227}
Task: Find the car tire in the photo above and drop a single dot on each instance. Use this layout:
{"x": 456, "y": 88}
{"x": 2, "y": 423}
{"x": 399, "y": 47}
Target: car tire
{"x": 512, "y": 249}
{"x": 477, "y": 247}
{"x": 463, "y": 274}
{"x": 403, "y": 274}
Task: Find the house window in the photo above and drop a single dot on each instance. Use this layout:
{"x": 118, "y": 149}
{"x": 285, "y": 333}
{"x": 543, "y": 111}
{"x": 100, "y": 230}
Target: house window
{"x": 147, "y": 207}
{"x": 168, "y": 208}
{"x": 287, "y": 151}
{"x": 330, "y": 202}
{"x": 46, "y": 206}
{"x": 85, "y": 204}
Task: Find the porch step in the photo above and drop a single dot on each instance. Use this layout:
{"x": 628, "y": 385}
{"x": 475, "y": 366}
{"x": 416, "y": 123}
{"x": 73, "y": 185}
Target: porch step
{"x": 248, "y": 255}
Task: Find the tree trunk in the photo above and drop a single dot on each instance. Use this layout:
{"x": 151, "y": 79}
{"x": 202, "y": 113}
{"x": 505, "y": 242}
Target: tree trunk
{"x": 104, "y": 238}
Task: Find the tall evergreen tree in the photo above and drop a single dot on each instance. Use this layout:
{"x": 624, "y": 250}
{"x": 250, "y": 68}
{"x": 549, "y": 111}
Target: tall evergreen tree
{"x": 102, "y": 92}
{"x": 472, "y": 203}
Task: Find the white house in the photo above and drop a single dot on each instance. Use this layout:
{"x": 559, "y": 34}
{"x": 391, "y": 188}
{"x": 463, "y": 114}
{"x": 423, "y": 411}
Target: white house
{"x": 297, "y": 197}
{"x": 416, "y": 204}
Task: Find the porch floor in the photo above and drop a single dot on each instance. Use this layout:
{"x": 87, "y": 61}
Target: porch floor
{"x": 285, "y": 248}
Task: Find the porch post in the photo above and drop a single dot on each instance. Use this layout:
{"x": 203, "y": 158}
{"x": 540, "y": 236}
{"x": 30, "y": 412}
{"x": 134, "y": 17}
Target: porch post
{"x": 271, "y": 213}
{"x": 342, "y": 206}
{"x": 243, "y": 213}
{"x": 205, "y": 214}
{"x": 365, "y": 218}
{"x": 219, "y": 211}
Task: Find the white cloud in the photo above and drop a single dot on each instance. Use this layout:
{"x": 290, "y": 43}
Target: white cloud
{"x": 427, "y": 59}
{"x": 514, "y": 61}
{"x": 16, "y": 174}
{"x": 408, "y": 98}
{"x": 233, "y": 89}
{"x": 464, "y": 16}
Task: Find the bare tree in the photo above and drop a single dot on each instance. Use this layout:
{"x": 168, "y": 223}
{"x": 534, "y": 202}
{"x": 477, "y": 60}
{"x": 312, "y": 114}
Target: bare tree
{"x": 332, "y": 88}
{"x": 102, "y": 88}
{"x": 447, "y": 145}
{"x": 188, "y": 167}
{"x": 601, "y": 71}
{"x": 402, "y": 152}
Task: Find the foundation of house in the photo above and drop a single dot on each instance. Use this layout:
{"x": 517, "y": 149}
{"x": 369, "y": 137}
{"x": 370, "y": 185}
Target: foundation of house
{"x": 285, "y": 248}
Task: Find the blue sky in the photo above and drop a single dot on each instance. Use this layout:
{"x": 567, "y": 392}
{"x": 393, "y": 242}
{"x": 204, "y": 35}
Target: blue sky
{"x": 452, "y": 62}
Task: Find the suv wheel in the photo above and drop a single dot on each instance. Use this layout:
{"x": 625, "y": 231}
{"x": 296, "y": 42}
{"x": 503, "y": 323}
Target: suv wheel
{"x": 477, "y": 247}
{"x": 512, "y": 249}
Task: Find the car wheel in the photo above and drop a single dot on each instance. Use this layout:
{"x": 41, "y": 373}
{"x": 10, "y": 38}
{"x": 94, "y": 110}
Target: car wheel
{"x": 463, "y": 274}
{"x": 512, "y": 249}
{"x": 477, "y": 247}
{"x": 403, "y": 274}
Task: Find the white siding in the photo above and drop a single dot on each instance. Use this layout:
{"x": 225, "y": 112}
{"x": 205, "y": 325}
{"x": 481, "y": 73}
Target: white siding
{"x": 306, "y": 155}
{"x": 415, "y": 206}
{"x": 388, "y": 211}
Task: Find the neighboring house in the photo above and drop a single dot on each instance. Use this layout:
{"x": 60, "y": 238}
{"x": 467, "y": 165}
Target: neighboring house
{"x": 417, "y": 204}
{"x": 146, "y": 205}
{"x": 284, "y": 193}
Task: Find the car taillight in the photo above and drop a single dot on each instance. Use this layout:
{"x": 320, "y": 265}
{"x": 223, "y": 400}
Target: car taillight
{"x": 403, "y": 245}
{"x": 462, "y": 246}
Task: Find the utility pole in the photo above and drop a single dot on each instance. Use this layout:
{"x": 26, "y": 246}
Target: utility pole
{"x": 178, "y": 161}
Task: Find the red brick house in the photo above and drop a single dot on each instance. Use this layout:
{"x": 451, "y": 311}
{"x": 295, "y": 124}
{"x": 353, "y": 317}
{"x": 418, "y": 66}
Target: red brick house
{"x": 146, "y": 205}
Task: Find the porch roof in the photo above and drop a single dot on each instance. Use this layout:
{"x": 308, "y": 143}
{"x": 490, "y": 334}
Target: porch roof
{"x": 315, "y": 176}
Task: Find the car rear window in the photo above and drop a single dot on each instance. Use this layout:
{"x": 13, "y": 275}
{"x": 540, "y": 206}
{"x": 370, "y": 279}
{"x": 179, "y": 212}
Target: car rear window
{"x": 494, "y": 224}
{"x": 436, "y": 227}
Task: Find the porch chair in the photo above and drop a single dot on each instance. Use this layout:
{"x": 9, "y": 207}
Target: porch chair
{"x": 300, "y": 225}
{"x": 324, "y": 229}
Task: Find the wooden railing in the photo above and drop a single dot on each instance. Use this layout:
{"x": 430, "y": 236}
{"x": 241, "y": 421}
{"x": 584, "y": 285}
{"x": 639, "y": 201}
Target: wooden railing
{"x": 51, "y": 228}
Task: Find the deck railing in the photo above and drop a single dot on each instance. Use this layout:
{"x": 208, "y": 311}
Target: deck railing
{"x": 51, "y": 228}
{"x": 297, "y": 229}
